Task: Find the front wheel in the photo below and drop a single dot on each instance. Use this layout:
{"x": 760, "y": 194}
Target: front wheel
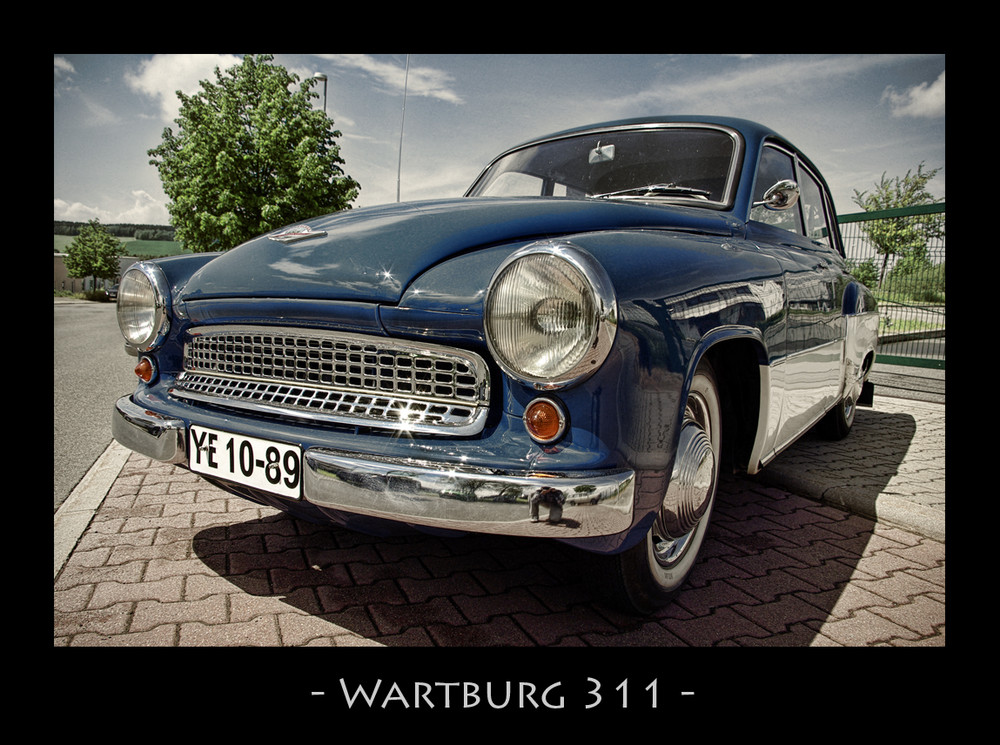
{"x": 646, "y": 576}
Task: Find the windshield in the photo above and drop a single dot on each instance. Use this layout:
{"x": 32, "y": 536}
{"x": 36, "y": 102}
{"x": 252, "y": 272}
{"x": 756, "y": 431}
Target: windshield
{"x": 695, "y": 165}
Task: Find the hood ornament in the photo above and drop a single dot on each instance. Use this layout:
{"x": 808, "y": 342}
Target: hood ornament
{"x": 296, "y": 233}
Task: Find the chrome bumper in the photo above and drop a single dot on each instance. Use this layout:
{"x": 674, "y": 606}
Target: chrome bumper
{"x": 427, "y": 493}
{"x": 153, "y": 435}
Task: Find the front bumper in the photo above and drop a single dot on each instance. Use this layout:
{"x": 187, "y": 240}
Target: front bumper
{"x": 585, "y": 504}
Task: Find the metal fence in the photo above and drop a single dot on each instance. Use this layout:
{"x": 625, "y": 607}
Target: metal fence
{"x": 899, "y": 255}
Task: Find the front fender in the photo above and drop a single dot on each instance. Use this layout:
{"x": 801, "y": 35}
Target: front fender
{"x": 179, "y": 269}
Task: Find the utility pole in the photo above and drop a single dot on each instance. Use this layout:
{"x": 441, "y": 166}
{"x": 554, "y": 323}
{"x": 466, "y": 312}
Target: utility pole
{"x": 322, "y": 76}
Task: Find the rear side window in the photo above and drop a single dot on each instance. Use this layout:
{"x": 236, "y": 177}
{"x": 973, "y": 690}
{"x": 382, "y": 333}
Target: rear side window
{"x": 813, "y": 206}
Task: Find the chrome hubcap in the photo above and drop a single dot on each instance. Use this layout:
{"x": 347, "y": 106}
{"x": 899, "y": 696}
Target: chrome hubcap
{"x": 848, "y": 409}
{"x": 692, "y": 484}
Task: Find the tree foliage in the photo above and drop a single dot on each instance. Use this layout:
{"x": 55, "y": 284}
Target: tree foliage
{"x": 864, "y": 271}
{"x": 94, "y": 253}
{"x": 250, "y": 155}
{"x": 119, "y": 230}
{"x": 903, "y": 237}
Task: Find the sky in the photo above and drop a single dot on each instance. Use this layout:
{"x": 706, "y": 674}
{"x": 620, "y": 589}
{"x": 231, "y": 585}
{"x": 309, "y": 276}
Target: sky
{"x": 856, "y": 116}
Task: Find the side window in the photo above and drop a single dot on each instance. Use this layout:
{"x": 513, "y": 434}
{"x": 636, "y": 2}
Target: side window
{"x": 774, "y": 166}
{"x": 814, "y": 213}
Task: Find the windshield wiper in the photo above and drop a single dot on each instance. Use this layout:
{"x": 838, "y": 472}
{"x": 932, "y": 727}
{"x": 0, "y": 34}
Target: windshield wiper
{"x": 656, "y": 190}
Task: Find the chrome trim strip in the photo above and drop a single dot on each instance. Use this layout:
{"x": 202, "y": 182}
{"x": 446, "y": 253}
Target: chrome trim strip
{"x": 148, "y": 433}
{"x": 464, "y": 498}
{"x": 763, "y": 419}
{"x": 409, "y": 416}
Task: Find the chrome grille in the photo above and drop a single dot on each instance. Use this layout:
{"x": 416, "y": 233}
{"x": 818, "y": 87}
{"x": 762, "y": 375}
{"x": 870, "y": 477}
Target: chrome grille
{"x": 340, "y": 377}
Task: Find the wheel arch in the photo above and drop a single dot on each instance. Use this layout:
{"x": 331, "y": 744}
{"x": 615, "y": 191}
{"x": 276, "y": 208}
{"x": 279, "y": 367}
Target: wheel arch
{"x": 739, "y": 358}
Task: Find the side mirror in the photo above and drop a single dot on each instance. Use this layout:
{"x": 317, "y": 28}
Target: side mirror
{"x": 781, "y": 196}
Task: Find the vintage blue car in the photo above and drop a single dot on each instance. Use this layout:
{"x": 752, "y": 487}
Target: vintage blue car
{"x": 573, "y": 350}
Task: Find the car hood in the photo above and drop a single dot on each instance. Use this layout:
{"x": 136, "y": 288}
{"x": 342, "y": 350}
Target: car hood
{"x": 372, "y": 254}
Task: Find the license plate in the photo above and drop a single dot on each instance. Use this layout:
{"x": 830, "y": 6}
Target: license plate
{"x": 274, "y": 467}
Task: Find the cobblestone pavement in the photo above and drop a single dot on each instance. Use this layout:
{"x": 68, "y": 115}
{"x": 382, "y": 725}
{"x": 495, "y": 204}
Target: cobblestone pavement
{"x": 166, "y": 560}
{"x": 891, "y": 467}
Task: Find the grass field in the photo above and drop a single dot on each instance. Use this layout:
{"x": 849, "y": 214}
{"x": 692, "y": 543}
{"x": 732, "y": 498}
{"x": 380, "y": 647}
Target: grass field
{"x": 148, "y": 249}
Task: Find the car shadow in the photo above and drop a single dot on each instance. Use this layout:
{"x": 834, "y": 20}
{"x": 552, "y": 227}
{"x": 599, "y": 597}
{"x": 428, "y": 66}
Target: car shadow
{"x": 773, "y": 569}
{"x": 849, "y": 473}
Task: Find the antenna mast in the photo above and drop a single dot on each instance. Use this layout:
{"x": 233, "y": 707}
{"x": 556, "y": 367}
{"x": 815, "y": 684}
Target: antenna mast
{"x": 399, "y": 166}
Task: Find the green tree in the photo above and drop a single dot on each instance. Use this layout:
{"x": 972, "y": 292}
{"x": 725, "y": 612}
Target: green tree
{"x": 94, "y": 253}
{"x": 864, "y": 271}
{"x": 250, "y": 155}
{"x": 905, "y": 237}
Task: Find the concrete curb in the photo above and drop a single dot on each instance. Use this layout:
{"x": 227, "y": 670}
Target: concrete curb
{"x": 883, "y": 471}
{"x": 75, "y": 514}
{"x": 885, "y": 508}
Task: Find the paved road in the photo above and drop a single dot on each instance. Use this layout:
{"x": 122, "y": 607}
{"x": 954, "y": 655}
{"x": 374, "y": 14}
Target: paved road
{"x": 85, "y": 339}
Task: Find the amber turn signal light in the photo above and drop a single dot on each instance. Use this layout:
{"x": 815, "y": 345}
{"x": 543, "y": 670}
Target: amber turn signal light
{"x": 545, "y": 421}
{"x": 145, "y": 369}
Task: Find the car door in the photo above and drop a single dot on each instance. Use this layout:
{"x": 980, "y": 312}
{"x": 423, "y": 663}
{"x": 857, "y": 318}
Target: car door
{"x": 806, "y": 370}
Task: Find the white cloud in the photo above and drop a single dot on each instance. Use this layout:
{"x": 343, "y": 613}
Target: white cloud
{"x": 926, "y": 100}
{"x": 77, "y": 212}
{"x": 161, "y": 76}
{"x": 419, "y": 80}
{"x": 143, "y": 210}
{"x": 96, "y": 114}
{"x": 62, "y": 66}
{"x": 749, "y": 83}
{"x": 63, "y": 76}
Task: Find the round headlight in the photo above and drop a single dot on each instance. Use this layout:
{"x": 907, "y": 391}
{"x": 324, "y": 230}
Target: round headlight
{"x": 550, "y": 315}
{"x": 143, "y": 306}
